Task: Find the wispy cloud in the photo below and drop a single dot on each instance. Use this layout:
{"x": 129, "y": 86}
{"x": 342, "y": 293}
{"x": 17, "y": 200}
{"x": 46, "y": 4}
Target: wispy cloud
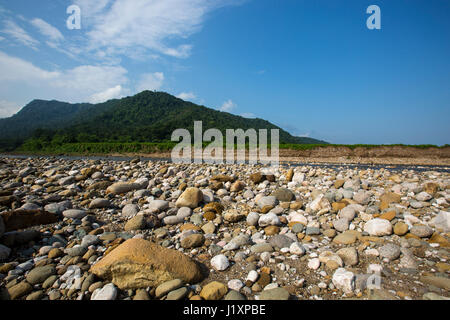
{"x": 158, "y": 26}
{"x": 47, "y": 29}
{"x": 16, "y": 32}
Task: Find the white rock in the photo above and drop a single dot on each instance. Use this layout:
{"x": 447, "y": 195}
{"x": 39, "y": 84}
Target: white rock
{"x": 297, "y": 217}
{"x": 220, "y": 262}
{"x": 378, "y": 227}
{"x": 344, "y": 280}
{"x": 267, "y": 201}
{"x": 441, "y": 221}
{"x": 235, "y": 284}
{"x": 269, "y": 219}
{"x": 252, "y": 276}
{"x": 297, "y": 248}
{"x": 314, "y": 263}
{"x": 184, "y": 212}
{"x": 423, "y": 196}
{"x": 298, "y": 177}
{"x": 108, "y": 292}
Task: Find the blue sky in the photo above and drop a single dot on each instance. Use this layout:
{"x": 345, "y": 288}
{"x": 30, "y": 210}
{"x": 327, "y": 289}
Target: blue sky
{"x": 312, "y": 67}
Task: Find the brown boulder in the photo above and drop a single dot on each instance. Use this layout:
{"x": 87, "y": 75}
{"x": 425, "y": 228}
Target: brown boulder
{"x": 138, "y": 263}
{"x": 22, "y": 219}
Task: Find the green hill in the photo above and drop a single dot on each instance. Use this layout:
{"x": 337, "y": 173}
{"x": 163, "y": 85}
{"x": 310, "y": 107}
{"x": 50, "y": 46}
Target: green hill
{"x": 145, "y": 117}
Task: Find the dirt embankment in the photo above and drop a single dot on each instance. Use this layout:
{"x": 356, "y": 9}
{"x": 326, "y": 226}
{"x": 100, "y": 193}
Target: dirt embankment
{"x": 364, "y": 155}
{"x": 375, "y": 155}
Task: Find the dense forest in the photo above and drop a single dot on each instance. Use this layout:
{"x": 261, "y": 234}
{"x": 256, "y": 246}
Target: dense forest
{"x": 148, "y": 117}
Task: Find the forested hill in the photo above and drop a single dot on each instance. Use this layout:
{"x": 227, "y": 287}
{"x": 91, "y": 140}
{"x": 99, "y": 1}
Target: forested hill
{"x": 146, "y": 117}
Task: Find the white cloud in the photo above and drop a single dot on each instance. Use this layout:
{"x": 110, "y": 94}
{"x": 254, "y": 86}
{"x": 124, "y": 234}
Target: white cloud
{"x": 19, "y": 34}
{"x": 8, "y": 108}
{"x": 47, "y": 29}
{"x": 187, "y": 96}
{"x": 123, "y": 26}
{"x": 80, "y": 84}
{"x": 111, "y": 93}
{"x": 228, "y": 106}
{"x": 248, "y": 115}
{"x": 150, "y": 81}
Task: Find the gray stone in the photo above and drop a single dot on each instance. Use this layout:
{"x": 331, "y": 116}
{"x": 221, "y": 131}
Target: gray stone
{"x": 234, "y": 295}
{"x": 4, "y": 252}
{"x": 184, "y": 212}
{"x": 341, "y": 224}
{"x": 422, "y": 231}
{"x": 274, "y": 294}
{"x": 261, "y": 247}
{"x": 130, "y": 210}
{"x": 89, "y": 240}
{"x": 40, "y": 274}
{"x": 159, "y": 205}
{"x": 99, "y": 203}
{"x": 178, "y": 294}
{"x": 298, "y": 228}
{"x": 281, "y": 241}
{"x": 312, "y": 231}
{"x": 389, "y": 251}
{"x": 74, "y": 214}
{"x": 253, "y": 218}
{"x": 76, "y": 251}
{"x": 168, "y": 286}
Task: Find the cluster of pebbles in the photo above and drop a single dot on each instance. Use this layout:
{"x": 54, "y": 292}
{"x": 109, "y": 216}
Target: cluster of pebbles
{"x": 153, "y": 230}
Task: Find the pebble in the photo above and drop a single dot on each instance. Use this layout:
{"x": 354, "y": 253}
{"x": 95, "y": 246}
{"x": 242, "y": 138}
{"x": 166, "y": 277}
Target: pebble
{"x": 108, "y": 292}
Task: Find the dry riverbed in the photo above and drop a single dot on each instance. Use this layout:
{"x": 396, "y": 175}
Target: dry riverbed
{"x": 146, "y": 230}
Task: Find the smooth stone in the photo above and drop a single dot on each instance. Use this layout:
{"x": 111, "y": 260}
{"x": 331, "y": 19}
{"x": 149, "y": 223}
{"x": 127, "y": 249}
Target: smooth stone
{"x": 275, "y": 294}
{"x": 344, "y": 280}
{"x": 40, "y": 274}
{"x": 234, "y": 296}
{"x": 389, "y": 251}
{"x": 130, "y": 210}
{"x": 178, "y": 294}
{"x": 75, "y": 214}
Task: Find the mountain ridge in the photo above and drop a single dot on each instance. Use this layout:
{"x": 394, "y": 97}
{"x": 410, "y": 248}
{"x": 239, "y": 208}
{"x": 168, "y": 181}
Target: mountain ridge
{"x": 145, "y": 117}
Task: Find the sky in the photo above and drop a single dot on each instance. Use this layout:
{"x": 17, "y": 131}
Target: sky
{"x": 312, "y": 67}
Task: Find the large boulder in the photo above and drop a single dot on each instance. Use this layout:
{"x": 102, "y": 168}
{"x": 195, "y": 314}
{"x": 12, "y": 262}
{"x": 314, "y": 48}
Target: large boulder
{"x": 138, "y": 263}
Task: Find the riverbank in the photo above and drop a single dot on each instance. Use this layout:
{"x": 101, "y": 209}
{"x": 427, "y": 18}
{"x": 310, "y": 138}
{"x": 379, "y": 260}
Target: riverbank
{"x": 369, "y": 155}
{"x": 148, "y": 230}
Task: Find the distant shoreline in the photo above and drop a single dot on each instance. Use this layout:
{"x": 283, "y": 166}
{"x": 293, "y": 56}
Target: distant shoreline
{"x": 376, "y": 155}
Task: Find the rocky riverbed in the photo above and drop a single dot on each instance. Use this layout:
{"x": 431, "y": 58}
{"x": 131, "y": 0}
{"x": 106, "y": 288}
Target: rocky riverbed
{"x": 152, "y": 230}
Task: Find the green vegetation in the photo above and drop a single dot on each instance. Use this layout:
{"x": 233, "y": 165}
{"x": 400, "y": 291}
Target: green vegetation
{"x": 41, "y": 147}
{"x": 148, "y": 117}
